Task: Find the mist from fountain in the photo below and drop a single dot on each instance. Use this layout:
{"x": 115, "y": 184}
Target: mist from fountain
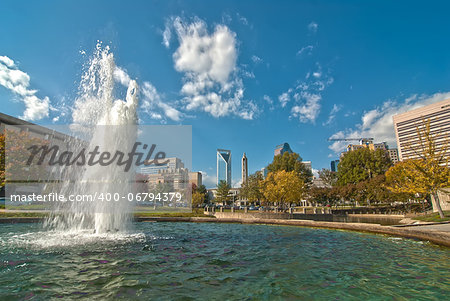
{"x": 109, "y": 124}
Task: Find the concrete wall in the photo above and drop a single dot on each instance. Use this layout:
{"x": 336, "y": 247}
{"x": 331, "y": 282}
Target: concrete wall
{"x": 252, "y": 215}
{"x": 383, "y": 219}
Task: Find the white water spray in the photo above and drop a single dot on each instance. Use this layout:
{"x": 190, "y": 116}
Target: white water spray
{"x": 109, "y": 124}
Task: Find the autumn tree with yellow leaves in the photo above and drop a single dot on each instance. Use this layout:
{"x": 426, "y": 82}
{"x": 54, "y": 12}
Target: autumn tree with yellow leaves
{"x": 428, "y": 172}
{"x": 283, "y": 188}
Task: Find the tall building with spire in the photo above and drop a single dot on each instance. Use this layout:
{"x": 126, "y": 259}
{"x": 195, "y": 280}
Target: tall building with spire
{"x": 244, "y": 169}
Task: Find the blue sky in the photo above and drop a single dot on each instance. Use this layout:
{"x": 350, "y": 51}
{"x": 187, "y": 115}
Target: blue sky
{"x": 247, "y": 75}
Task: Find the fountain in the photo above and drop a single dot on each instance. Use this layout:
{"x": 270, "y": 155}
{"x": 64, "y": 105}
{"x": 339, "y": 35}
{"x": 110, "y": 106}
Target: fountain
{"x": 107, "y": 125}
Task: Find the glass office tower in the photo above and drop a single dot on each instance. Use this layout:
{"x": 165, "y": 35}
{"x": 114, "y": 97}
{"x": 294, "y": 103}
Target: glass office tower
{"x": 224, "y": 166}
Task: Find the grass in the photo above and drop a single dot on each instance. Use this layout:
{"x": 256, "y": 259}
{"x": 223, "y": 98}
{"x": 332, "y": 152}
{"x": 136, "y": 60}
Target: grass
{"x": 434, "y": 217}
{"x": 23, "y": 214}
{"x": 28, "y": 207}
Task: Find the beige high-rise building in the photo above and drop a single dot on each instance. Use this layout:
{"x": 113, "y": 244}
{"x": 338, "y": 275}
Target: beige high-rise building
{"x": 406, "y": 125}
{"x": 195, "y": 177}
{"x": 393, "y": 155}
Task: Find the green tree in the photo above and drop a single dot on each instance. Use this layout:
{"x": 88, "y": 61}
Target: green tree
{"x": 158, "y": 191}
{"x": 291, "y": 162}
{"x": 199, "y": 195}
{"x": 283, "y": 188}
{"x": 223, "y": 192}
{"x": 373, "y": 191}
{"x": 362, "y": 164}
{"x": 328, "y": 177}
{"x": 251, "y": 190}
{"x": 202, "y": 190}
{"x": 318, "y": 195}
{"x": 348, "y": 192}
{"x": 197, "y": 199}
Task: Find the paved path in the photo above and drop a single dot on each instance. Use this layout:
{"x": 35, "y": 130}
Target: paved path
{"x": 435, "y": 227}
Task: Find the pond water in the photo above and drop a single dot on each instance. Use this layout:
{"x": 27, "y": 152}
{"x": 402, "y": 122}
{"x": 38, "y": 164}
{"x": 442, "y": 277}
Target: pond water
{"x": 190, "y": 261}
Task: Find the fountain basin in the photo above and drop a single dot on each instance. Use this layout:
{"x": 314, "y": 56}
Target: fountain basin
{"x": 218, "y": 261}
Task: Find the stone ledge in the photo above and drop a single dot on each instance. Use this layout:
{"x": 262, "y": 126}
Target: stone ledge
{"x": 437, "y": 237}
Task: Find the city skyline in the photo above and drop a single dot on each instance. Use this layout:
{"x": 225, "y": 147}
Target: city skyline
{"x": 295, "y": 72}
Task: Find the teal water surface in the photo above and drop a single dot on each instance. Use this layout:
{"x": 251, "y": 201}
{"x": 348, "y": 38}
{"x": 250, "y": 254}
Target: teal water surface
{"x": 189, "y": 261}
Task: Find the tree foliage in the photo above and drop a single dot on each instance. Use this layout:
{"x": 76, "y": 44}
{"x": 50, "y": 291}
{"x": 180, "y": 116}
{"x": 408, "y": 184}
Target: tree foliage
{"x": 362, "y": 164}
{"x": 197, "y": 199}
{"x": 431, "y": 170}
{"x": 199, "y": 195}
{"x": 16, "y": 145}
{"x": 323, "y": 195}
{"x": 404, "y": 178}
{"x": 223, "y": 192}
{"x": 291, "y": 162}
{"x": 283, "y": 187}
{"x": 328, "y": 177}
{"x": 252, "y": 189}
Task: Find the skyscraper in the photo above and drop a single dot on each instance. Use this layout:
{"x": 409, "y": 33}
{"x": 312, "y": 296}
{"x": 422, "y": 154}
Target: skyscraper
{"x": 334, "y": 165}
{"x": 282, "y": 148}
{"x": 223, "y": 166}
{"x": 244, "y": 169}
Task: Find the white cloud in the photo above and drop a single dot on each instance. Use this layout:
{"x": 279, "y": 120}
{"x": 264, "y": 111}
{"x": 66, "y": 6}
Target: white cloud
{"x": 256, "y": 59}
{"x": 332, "y": 115}
{"x": 317, "y": 74}
{"x": 312, "y": 27}
{"x": 248, "y": 74}
{"x": 203, "y": 55}
{"x": 209, "y": 181}
{"x": 18, "y": 82}
{"x": 268, "y": 99}
{"x": 308, "y": 111}
{"x": 307, "y": 95}
{"x": 208, "y": 63}
{"x": 315, "y": 172}
{"x": 284, "y": 98}
{"x": 305, "y": 50}
{"x": 242, "y": 19}
{"x": 151, "y": 100}
{"x": 378, "y": 123}
{"x": 7, "y": 61}
{"x": 167, "y": 34}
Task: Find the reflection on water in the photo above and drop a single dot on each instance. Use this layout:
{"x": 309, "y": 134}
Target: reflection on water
{"x": 218, "y": 261}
